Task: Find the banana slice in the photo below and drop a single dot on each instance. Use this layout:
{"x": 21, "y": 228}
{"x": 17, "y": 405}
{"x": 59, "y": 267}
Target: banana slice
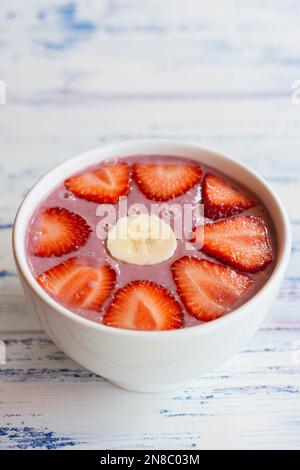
{"x": 141, "y": 239}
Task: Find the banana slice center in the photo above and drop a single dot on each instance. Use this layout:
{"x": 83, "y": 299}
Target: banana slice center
{"x": 141, "y": 239}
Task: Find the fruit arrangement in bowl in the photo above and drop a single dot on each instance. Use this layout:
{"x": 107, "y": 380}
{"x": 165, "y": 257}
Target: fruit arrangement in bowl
{"x": 148, "y": 238}
{"x": 114, "y": 279}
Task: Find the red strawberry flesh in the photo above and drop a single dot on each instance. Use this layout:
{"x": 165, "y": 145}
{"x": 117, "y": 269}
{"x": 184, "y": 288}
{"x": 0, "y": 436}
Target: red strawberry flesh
{"x": 57, "y": 231}
{"x": 207, "y": 289}
{"x": 144, "y": 305}
{"x": 165, "y": 181}
{"x": 241, "y": 241}
{"x": 77, "y": 283}
{"x": 221, "y": 199}
{"x": 104, "y": 185}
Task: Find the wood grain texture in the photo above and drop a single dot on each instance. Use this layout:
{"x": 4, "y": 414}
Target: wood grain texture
{"x": 83, "y": 73}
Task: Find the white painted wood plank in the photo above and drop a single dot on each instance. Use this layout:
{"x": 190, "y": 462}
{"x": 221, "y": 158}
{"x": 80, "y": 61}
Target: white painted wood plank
{"x": 148, "y": 46}
{"x": 245, "y": 403}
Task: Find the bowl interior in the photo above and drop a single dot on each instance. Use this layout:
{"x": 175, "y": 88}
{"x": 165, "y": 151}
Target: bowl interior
{"x": 224, "y": 163}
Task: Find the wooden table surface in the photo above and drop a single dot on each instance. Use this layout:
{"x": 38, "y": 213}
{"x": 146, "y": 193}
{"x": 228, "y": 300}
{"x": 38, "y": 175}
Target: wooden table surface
{"x": 82, "y": 73}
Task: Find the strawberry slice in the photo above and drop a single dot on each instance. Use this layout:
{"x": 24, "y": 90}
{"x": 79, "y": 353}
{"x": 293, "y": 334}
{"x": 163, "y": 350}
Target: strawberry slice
{"x": 165, "y": 181}
{"x": 57, "y": 231}
{"x": 79, "y": 284}
{"x": 208, "y": 289}
{"x": 105, "y": 185}
{"x": 220, "y": 199}
{"x": 144, "y": 305}
{"x": 241, "y": 242}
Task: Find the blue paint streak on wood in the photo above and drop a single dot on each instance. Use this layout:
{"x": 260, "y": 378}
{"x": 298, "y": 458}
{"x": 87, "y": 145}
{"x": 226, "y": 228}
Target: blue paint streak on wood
{"x": 171, "y": 414}
{"x": 6, "y": 273}
{"x": 70, "y": 21}
{"x": 23, "y": 438}
{"x": 74, "y": 29}
{"x": 61, "y": 375}
{"x": 64, "y": 375}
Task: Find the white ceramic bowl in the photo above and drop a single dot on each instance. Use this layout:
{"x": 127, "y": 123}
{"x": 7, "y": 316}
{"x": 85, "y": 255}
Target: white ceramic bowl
{"x": 142, "y": 360}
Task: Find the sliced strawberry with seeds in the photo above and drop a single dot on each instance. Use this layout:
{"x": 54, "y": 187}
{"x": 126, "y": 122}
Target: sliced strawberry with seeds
{"x": 144, "y": 305}
{"x": 208, "y": 289}
{"x": 105, "y": 185}
{"x": 77, "y": 283}
{"x": 220, "y": 199}
{"x": 241, "y": 242}
{"x": 165, "y": 181}
{"x": 57, "y": 231}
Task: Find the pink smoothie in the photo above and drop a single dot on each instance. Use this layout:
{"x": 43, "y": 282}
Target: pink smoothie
{"x": 160, "y": 273}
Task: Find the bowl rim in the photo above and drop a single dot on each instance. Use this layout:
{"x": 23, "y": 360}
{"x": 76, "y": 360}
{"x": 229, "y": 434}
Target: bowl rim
{"x": 23, "y": 267}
